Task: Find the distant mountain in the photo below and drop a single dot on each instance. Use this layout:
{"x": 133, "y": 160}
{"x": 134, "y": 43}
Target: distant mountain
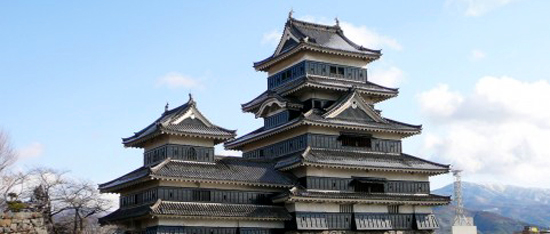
{"x": 491, "y": 203}
{"x": 486, "y": 222}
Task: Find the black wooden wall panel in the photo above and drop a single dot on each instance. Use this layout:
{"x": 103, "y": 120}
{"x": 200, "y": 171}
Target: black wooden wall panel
{"x": 187, "y": 195}
{"x": 179, "y": 152}
{"x": 347, "y": 185}
{"x": 323, "y": 221}
{"x": 299, "y": 143}
{"x": 276, "y": 120}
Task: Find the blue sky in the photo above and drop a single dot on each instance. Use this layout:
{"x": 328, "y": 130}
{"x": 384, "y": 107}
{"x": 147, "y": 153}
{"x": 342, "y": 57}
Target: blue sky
{"x": 75, "y": 77}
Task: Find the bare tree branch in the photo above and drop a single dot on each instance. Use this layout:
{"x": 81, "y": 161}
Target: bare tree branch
{"x": 8, "y": 155}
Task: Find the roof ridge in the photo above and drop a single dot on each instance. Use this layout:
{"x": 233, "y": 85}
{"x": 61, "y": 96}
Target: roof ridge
{"x": 157, "y": 167}
{"x": 313, "y": 25}
{"x": 192, "y": 162}
{"x": 156, "y": 205}
{"x": 218, "y": 204}
{"x": 352, "y": 151}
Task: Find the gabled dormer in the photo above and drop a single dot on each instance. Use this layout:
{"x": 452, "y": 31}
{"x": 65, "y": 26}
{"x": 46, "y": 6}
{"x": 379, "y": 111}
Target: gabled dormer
{"x": 354, "y": 108}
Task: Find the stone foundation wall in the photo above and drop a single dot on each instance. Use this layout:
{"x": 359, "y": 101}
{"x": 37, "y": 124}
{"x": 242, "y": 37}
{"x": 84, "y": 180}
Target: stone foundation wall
{"x": 22, "y": 223}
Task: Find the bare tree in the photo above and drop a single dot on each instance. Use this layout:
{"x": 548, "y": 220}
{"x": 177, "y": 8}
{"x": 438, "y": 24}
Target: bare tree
{"x": 83, "y": 200}
{"x": 7, "y": 154}
{"x": 68, "y": 205}
{"x": 8, "y": 181}
{"x": 11, "y": 183}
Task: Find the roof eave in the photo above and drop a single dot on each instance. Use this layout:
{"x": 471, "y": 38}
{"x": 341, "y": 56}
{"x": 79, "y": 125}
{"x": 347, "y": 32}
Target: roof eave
{"x": 430, "y": 172}
{"x": 118, "y": 187}
{"x": 138, "y": 142}
{"x": 236, "y": 143}
{"x": 233, "y": 182}
{"x": 265, "y": 64}
{"x": 294, "y": 198}
{"x": 220, "y": 217}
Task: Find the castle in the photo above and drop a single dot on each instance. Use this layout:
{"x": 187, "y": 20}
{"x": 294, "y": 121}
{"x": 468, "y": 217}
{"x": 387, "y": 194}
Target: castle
{"x": 325, "y": 161}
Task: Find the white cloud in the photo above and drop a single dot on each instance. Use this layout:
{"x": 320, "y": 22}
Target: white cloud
{"x": 479, "y": 7}
{"x": 477, "y": 55}
{"x": 498, "y": 132}
{"x": 368, "y": 37}
{"x": 30, "y": 151}
{"x": 176, "y": 80}
{"x": 234, "y": 153}
{"x": 223, "y": 152}
{"x": 390, "y": 77}
{"x": 113, "y": 198}
{"x": 440, "y": 102}
{"x": 271, "y": 38}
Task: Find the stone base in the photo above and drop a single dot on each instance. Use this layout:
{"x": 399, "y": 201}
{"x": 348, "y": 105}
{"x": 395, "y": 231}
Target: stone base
{"x": 22, "y": 222}
{"x": 464, "y": 230}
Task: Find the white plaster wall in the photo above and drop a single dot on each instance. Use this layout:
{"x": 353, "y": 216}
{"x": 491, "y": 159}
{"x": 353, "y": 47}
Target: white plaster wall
{"x": 363, "y": 208}
{"x": 219, "y": 223}
{"x": 313, "y": 207}
{"x": 348, "y": 173}
{"x": 406, "y": 209}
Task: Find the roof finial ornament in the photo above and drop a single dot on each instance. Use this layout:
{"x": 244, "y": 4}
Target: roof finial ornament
{"x": 337, "y": 21}
{"x": 166, "y": 107}
{"x": 290, "y": 13}
{"x": 191, "y": 100}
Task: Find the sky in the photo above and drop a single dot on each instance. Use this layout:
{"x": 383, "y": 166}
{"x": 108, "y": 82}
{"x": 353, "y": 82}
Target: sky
{"x": 76, "y": 77}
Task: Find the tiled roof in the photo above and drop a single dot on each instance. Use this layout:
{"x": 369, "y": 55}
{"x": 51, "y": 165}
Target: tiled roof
{"x": 305, "y": 195}
{"x": 123, "y": 214}
{"x": 175, "y": 122}
{"x": 361, "y": 160}
{"x": 218, "y": 210}
{"x": 253, "y": 105}
{"x": 314, "y": 118}
{"x": 200, "y": 210}
{"x": 336, "y": 84}
{"x": 317, "y": 37}
{"x": 131, "y": 178}
{"x": 380, "y": 92}
{"x": 226, "y": 170}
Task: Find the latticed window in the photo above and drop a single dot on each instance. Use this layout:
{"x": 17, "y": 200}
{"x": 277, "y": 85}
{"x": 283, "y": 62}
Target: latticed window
{"x": 346, "y": 208}
{"x": 393, "y": 209}
{"x": 199, "y": 195}
{"x": 192, "y": 153}
{"x": 355, "y": 141}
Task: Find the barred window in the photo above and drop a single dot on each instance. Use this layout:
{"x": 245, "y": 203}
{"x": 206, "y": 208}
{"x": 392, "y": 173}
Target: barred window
{"x": 199, "y": 195}
{"x": 346, "y": 208}
{"x": 393, "y": 209}
{"x": 355, "y": 141}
